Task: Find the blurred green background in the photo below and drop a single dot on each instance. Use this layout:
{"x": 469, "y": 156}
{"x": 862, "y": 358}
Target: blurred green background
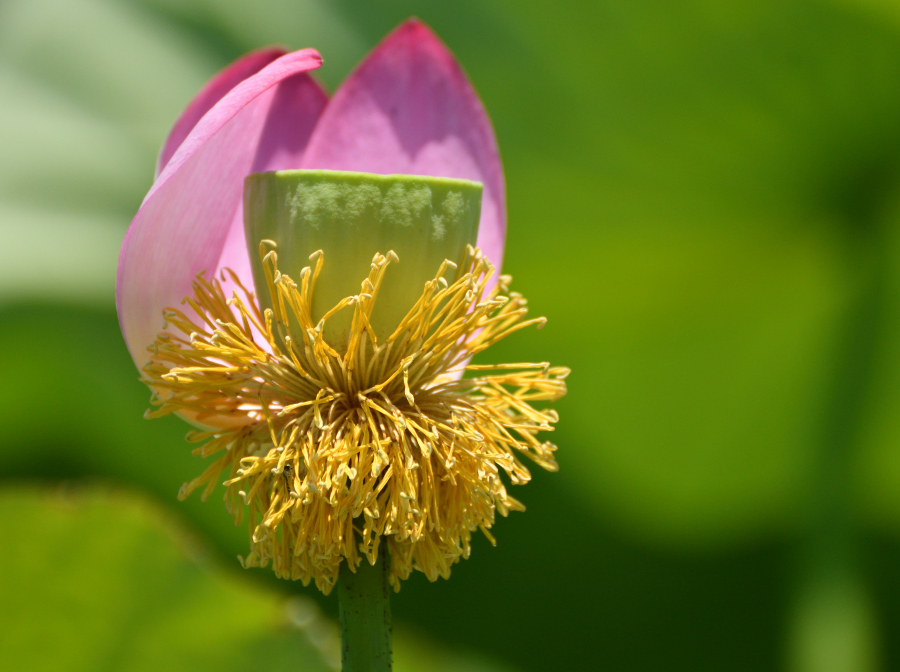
{"x": 704, "y": 199}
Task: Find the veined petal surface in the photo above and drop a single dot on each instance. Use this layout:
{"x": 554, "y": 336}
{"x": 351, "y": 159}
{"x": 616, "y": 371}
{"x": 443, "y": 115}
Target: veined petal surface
{"x": 184, "y": 225}
{"x": 409, "y": 108}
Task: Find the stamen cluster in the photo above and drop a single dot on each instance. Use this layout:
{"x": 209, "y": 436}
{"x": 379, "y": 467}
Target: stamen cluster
{"x": 331, "y": 453}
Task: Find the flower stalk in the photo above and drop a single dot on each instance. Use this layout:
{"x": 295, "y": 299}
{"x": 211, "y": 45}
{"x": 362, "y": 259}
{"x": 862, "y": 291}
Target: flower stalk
{"x": 365, "y": 616}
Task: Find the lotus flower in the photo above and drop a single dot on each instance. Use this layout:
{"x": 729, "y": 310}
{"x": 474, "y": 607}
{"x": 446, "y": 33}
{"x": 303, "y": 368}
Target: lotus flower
{"x": 333, "y": 446}
{"x": 407, "y": 109}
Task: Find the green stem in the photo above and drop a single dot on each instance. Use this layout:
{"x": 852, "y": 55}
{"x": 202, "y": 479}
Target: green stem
{"x": 365, "y": 615}
{"x": 834, "y": 625}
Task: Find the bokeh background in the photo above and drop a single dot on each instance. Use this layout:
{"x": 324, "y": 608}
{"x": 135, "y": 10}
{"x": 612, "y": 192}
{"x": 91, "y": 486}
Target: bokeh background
{"x": 704, "y": 199}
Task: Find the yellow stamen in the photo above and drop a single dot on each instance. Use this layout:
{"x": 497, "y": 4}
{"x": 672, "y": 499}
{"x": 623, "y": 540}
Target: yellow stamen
{"x": 332, "y": 453}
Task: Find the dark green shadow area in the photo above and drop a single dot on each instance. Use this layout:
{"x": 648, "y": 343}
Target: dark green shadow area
{"x": 563, "y": 591}
{"x": 880, "y": 562}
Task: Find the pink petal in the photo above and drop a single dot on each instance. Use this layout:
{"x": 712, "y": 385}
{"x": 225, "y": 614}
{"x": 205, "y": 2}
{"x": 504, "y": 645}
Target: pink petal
{"x": 409, "y": 108}
{"x": 211, "y": 94}
{"x": 189, "y": 212}
{"x": 293, "y": 114}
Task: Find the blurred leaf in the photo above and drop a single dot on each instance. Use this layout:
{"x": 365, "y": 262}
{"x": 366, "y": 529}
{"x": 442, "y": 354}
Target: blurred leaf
{"x": 699, "y": 360}
{"x": 107, "y": 584}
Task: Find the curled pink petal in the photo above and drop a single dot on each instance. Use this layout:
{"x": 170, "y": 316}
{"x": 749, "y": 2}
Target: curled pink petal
{"x": 291, "y": 118}
{"x": 409, "y": 108}
{"x": 185, "y": 219}
{"x": 211, "y": 94}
